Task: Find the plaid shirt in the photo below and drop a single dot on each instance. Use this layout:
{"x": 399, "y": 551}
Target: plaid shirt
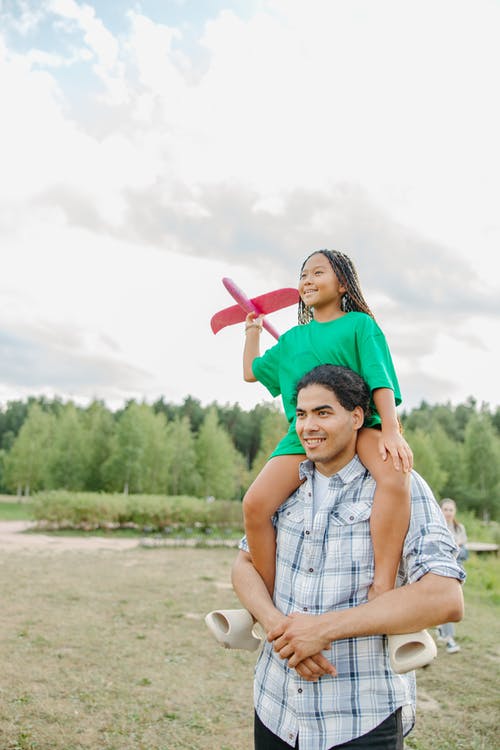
{"x": 325, "y": 564}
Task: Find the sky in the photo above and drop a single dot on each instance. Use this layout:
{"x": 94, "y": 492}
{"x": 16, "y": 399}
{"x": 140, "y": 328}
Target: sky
{"x": 149, "y": 148}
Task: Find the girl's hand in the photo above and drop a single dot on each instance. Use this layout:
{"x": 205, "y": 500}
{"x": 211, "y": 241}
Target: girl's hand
{"x": 253, "y": 320}
{"x": 394, "y": 445}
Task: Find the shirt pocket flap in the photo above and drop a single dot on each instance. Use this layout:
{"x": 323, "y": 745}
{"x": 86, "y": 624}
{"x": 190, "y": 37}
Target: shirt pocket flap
{"x": 351, "y": 513}
{"x": 292, "y": 511}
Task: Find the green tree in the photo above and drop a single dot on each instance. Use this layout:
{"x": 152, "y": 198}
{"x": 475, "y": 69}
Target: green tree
{"x": 11, "y": 421}
{"x": 273, "y": 427}
{"x": 193, "y": 410}
{"x": 425, "y": 459}
{"x": 450, "y": 458}
{"x": 463, "y": 414}
{"x": 220, "y": 466}
{"x": 68, "y": 459}
{"x": 99, "y": 427}
{"x": 182, "y": 473}
{"x": 138, "y": 456}
{"x": 495, "y": 418}
{"x": 482, "y": 465}
{"x": 3, "y": 457}
{"x": 156, "y": 453}
{"x": 26, "y": 465}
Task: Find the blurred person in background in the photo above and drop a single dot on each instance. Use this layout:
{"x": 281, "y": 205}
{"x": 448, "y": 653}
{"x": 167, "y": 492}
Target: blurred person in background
{"x": 446, "y": 632}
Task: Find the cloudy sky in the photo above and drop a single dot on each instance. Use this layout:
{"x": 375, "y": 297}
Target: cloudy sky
{"x": 150, "y": 147}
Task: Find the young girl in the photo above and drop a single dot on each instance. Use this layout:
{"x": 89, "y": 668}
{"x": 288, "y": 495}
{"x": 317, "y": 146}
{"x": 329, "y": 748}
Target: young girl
{"x": 337, "y": 327}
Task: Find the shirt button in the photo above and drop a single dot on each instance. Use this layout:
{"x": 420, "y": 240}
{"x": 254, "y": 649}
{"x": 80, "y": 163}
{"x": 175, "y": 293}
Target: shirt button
{"x": 351, "y": 518}
{"x": 307, "y": 532}
{"x": 299, "y": 690}
{"x": 305, "y": 609}
{"x": 311, "y": 570}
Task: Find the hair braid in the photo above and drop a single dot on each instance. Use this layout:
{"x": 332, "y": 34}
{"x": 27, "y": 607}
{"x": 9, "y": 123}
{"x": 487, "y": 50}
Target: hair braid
{"x": 343, "y": 267}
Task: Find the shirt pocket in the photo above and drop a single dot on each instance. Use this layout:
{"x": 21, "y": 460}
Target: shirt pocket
{"x": 349, "y": 514}
{"x": 348, "y": 541}
{"x": 290, "y": 520}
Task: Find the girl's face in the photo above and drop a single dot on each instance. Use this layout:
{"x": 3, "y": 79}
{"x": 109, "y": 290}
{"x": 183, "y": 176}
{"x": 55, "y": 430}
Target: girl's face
{"x": 318, "y": 283}
{"x": 448, "y": 511}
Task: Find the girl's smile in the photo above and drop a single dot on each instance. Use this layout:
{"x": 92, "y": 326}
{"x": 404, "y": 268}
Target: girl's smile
{"x": 319, "y": 286}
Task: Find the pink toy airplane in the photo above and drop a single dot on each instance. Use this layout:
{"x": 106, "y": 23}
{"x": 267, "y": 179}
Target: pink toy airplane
{"x": 262, "y": 305}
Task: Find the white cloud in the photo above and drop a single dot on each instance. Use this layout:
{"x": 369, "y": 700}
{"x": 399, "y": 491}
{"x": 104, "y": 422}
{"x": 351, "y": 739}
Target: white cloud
{"x": 369, "y": 126}
{"x": 101, "y": 42}
{"x": 26, "y": 19}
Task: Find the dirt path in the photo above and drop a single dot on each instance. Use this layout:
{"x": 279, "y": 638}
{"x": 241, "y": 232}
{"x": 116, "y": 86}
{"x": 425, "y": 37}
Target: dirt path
{"x": 12, "y": 537}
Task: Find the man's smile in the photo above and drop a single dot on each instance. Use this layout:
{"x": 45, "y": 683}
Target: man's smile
{"x": 311, "y": 442}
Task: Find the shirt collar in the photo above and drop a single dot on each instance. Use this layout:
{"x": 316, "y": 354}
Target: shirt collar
{"x": 347, "y": 473}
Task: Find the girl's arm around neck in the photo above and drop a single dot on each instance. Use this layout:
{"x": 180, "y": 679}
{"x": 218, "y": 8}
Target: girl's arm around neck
{"x": 383, "y": 398}
{"x": 391, "y": 443}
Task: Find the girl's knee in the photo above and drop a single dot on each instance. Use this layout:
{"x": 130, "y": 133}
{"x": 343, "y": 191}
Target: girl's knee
{"x": 252, "y": 504}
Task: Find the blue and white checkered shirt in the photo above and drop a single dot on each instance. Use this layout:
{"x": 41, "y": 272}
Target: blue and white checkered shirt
{"x": 325, "y": 564}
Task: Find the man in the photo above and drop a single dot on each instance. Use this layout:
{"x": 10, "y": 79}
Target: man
{"x": 323, "y": 679}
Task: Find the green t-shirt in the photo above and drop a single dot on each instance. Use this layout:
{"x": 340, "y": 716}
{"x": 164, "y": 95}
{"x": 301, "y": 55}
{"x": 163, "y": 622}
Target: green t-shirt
{"x": 353, "y": 340}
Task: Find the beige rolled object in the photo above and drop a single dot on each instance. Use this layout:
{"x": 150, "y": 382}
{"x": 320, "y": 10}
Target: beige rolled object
{"x": 235, "y": 628}
{"x": 411, "y": 651}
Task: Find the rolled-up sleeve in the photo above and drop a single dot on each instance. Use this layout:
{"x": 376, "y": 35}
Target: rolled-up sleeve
{"x": 429, "y": 546}
{"x": 243, "y": 545}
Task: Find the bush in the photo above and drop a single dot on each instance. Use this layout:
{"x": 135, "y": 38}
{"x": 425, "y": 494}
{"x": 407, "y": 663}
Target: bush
{"x": 91, "y": 510}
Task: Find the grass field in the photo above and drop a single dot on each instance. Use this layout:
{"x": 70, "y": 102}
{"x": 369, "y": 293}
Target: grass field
{"x": 14, "y": 511}
{"x": 108, "y": 650}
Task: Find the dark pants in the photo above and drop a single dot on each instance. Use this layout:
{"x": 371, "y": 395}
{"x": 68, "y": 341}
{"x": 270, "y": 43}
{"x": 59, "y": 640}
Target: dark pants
{"x": 387, "y": 736}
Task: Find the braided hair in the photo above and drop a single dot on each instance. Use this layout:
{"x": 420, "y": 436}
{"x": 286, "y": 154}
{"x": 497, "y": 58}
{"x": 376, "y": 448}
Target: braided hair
{"x": 343, "y": 267}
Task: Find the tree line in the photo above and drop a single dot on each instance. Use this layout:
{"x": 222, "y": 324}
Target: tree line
{"x": 214, "y": 450}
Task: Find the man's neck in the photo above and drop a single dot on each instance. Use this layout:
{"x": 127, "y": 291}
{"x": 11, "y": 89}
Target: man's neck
{"x": 329, "y": 468}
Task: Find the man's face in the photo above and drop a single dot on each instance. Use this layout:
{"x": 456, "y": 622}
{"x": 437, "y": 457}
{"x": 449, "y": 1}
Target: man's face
{"x": 326, "y": 430}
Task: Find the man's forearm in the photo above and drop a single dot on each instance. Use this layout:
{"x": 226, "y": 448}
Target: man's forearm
{"x": 430, "y": 601}
{"x": 252, "y": 592}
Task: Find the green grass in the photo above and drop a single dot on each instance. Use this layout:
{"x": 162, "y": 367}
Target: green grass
{"x": 108, "y": 650}
{"x": 465, "y": 686}
{"x": 15, "y": 511}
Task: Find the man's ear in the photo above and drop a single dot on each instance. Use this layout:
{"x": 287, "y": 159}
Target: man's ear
{"x": 358, "y": 417}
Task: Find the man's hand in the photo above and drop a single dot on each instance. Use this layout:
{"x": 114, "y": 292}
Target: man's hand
{"x": 254, "y": 595}
{"x": 298, "y": 637}
{"x": 314, "y": 667}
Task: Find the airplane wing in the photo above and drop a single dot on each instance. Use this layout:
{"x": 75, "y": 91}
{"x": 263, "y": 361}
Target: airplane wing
{"x": 227, "y": 317}
{"x": 265, "y": 303}
{"x": 272, "y": 301}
